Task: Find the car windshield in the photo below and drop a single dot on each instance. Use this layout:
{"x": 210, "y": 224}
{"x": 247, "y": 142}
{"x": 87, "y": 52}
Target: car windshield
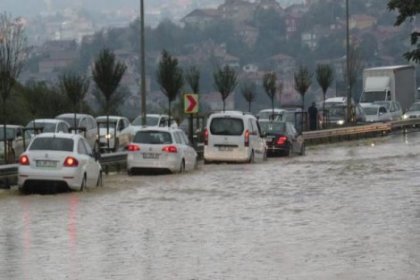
{"x": 52, "y": 144}
{"x": 371, "y": 111}
{"x": 43, "y": 126}
{"x": 414, "y": 107}
{"x": 10, "y": 133}
{"x": 152, "y": 137}
{"x": 150, "y": 121}
{"x": 226, "y": 126}
{"x": 387, "y": 105}
{"x": 337, "y": 111}
{"x": 268, "y": 115}
{"x": 102, "y": 124}
{"x": 273, "y": 127}
{"x": 70, "y": 120}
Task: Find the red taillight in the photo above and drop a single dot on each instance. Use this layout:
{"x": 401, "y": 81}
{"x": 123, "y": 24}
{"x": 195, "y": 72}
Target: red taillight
{"x": 206, "y": 136}
{"x": 71, "y": 162}
{"x": 282, "y": 140}
{"x": 23, "y": 160}
{"x": 170, "y": 149}
{"x": 247, "y": 138}
{"x": 133, "y": 148}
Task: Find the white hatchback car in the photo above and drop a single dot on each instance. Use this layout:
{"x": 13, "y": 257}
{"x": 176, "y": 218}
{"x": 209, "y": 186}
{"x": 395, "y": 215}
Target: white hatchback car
{"x": 59, "y": 159}
{"x": 233, "y": 136}
{"x": 82, "y": 121}
{"x": 160, "y": 148}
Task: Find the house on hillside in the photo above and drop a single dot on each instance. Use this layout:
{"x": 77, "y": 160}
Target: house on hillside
{"x": 57, "y": 55}
{"x": 362, "y": 22}
{"x": 237, "y": 10}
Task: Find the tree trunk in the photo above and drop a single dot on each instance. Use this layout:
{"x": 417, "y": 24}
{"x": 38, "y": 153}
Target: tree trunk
{"x": 4, "y": 131}
{"x": 323, "y": 111}
{"x": 169, "y": 112}
{"x": 249, "y": 106}
{"x": 223, "y": 104}
{"x": 272, "y": 108}
{"x": 303, "y": 110}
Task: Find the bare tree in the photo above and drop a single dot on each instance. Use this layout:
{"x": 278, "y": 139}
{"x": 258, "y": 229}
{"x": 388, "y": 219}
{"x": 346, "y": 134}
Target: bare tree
{"x": 225, "y": 81}
{"x": 249, "y": 93}
{"x": 303, "y": 80}
{"x": 355, "y": 66}
{"x": 270, "y": 87}
{"x": 13, "y": 49}
{"x": 170, "y": 78}
{"x": 324, "y": 77}
{"x": 75, "y": 87}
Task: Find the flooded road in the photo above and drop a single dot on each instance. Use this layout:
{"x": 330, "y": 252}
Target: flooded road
{"x": 343, "y": 211}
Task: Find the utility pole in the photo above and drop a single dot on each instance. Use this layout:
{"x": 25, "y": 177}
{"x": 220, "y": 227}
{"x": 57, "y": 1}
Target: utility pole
{"x": 142, "y": 66}
{"x": 348, "y": 119}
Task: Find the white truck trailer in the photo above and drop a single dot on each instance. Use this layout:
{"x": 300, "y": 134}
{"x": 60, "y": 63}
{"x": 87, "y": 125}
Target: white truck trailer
{"x": 392, "y": 83}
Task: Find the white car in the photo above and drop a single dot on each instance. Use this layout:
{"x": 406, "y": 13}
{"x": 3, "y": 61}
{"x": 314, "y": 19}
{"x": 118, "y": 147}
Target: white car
{"x": 393, "y": 107}
{"x": 86, "y": 124}
{"x": 59, "y": 159}
{"x": 233, "y": 136}
{"x": 118, "y": 134}
{"x": 160, "y": 148}
{"x": 37, "y": 126}
{"x": 272, "y": 114}
{"x": 376, "y": 113}
{"x": 413, "y": 112}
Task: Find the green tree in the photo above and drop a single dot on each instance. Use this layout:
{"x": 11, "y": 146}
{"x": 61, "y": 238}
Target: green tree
{"x": 75, "y": 87}
{"x": 249, "y": 93}
{"x": 303, "y": 80}
{"x": 170, "y": 78}
{"x": 13, "y": 50}
{"x": 225, "y": 81}
{"x": 107, "y": 73}
{"x": 192, "y": 77}
{"x": 407, "y": 10}
{"x": 324, "y": 77}
{"x": 270, "y": 87}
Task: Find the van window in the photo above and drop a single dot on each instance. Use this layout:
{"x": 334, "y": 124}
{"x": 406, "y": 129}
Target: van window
{"x": 226, "y": 126}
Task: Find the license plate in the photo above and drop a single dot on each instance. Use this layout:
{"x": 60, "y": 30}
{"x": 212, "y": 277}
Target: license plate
{"x": 46, "y": 163}
{"x": 150, "y": 155}
{"x": 225, "y": 148}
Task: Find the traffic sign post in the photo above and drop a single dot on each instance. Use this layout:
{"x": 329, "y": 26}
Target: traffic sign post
{"x": 191, "y": 107}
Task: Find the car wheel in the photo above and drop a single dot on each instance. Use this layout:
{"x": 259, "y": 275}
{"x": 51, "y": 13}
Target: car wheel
{"x": 182, "y": 167}
{"x": 99, "y": 183}
{"x": 251, "y": 158}
{"x": 83, "y": 185}
{"x": 286, "y": 153}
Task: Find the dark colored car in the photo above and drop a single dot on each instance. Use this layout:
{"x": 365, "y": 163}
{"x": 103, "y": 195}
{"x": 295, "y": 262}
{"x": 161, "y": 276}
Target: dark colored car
{"x": 282, "y": 138}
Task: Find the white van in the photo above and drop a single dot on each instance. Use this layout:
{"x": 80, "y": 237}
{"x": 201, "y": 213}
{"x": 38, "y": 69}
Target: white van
{"x": 233, "y": 136}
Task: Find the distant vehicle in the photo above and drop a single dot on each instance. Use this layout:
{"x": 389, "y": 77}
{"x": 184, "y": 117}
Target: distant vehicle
{"x": 45, "y": 125}
{"x": 58, "y": 159}
{"x": 271, "y": 114}
{"x": 390, "y": 83}
{"x": 14, "y": 135}
{"x": 160, "y": 149}
{"x": 86, "y": 124}
{"x": 393, "y": 107}
{"x": 336, "y": 112}
{"x": 154, "y": 120}
{"x": 282, "y": 138}
{"x": 233, "y": 136}
{"x": 413, "y": 112}
{"x": 118, "y": 134}
{"x": 376, "y": 113}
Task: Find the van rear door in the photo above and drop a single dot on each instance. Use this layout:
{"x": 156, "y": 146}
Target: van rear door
{"x": 226, "y": 133}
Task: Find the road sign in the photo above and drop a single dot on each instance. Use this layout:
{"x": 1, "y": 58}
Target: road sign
{"x": 190, "y": 103}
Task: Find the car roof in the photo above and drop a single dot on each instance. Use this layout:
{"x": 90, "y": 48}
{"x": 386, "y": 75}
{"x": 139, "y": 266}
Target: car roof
{"x": 47, "y": 121}
{"x": 59, "y": 134}
{"x": 270, "y": 110}
{"x": 157, "y": 128}
{"x": 12, "y": 126}
{"x": 110, "y": 118}
{"x": 232, "y": 113}
{"x": 69, "y": 115}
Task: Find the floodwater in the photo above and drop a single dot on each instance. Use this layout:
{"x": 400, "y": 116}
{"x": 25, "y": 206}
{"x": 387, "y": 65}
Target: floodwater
{"x": 343, "y": 211}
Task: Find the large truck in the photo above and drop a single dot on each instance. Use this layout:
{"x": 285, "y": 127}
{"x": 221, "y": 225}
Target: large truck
{"x": 390, "y": 83}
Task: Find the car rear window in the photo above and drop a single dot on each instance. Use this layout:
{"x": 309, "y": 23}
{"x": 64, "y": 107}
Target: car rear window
{"x": 226, "y": 126}
{"x": 273, "y": 127}
{"x": 52, "y": 144}
{"x": 371, "y": 111}
{"x": 153, "y": 137}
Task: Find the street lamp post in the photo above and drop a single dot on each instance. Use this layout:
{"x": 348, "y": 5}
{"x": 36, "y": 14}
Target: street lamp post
{"x": 348, "y": 64}
{"x": 142, "y": 66}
